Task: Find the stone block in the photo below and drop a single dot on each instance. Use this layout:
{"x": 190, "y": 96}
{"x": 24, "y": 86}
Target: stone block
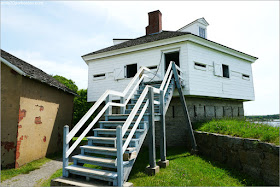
{"x": 152, "y": 171}
{"x": 219, "y": 111}
{"x": 252, "y": 171}
{"x": 227, "y": 111}
{"x": 233, "y": 160}
{"x": 271, "y": 163}
{"x": 240, "y": 111}
{"x": 163, "y": 164}
{"x": 234, "y": 111}
{"x": 251, "y": 144}
{"x": 199, "y": 112}
{"x": 191, "y": 111}
{"x": 210, "y": 112}
{"x": 251, "y": 158}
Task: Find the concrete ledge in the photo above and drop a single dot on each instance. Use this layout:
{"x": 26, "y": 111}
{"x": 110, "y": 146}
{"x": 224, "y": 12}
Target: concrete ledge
{"x": 163, "y": 164}
{"x": 152, "y": 171}
{"x": 62, "y": 181}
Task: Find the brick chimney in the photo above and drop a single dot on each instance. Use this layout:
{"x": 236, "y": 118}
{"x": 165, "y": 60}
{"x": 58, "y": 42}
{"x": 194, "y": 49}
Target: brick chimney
{"x": 155, "y": 24}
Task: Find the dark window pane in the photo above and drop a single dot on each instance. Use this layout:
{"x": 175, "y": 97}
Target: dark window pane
{"x": 131, "y": 70}
{"x": 225, "y": 71}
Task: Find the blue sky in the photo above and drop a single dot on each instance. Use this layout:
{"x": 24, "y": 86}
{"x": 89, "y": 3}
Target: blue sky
{"x": 53, "y": 35}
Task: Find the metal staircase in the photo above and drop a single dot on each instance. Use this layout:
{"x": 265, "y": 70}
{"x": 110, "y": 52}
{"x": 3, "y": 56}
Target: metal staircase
{"x": 117, "y": 142}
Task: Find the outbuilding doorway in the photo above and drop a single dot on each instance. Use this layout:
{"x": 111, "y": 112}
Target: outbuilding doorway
{"x": 173, "y": 56}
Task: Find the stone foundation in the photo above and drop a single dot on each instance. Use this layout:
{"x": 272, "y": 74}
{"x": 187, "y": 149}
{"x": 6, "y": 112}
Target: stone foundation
{"x": 200, "y": 109}
{"x": 257, "y": 159}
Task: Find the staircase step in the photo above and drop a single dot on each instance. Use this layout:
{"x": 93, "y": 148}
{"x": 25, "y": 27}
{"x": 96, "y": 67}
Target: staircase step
{"x": 93, "y": 173}
{"x": 108, "y": 140}
{"x": 104, "y": 150}
{"x": 113, "y": 131}
{"x": 141, "y": 90}
{"x": 124, "y": 116}
{"x": 99, "y": 161}
{"x": 116, "y": 123}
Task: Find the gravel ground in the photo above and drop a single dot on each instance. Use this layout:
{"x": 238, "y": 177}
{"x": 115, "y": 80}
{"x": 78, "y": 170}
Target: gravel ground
{"x": 34, "y": 178}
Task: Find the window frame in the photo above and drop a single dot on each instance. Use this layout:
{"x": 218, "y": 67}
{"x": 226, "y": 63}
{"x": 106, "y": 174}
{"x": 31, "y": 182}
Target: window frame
{"x": 99, "y": 76}
{"x": 200, "y": 33}
{"x": 223, "y": 74}
{"x": 200, "y": 66}
{"x": 126, "y": 69}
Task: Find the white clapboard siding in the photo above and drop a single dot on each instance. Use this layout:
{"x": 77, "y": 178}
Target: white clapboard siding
{"x": 210, "y": 82}
{"x": 113, "y": 67}
{"x": 198, "y": 81}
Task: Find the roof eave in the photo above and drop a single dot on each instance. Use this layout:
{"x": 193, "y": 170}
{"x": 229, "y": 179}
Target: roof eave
{"x": 187, "y": 37}
{"x": 9, "y": 64}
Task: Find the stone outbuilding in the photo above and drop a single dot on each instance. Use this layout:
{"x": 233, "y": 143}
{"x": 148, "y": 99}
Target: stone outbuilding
{"x": 34, "y": 109}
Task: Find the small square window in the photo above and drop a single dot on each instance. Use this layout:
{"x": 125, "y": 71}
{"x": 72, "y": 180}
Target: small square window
{"x": 202, "y": 32}
{"x": 225, "y": 71}
{"x": 131, "y": 70}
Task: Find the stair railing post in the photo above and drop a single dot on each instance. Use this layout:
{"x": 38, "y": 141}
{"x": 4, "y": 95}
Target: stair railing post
{"x": 65, "y": 149}
{"x": 163, "y": 162}
{"x": 109, "y": 109}
{"x": 119, "y": 156}
{"x": 122, "y": 102}
{"x": 153, "y": 168}
{"x": 185, "y": 109}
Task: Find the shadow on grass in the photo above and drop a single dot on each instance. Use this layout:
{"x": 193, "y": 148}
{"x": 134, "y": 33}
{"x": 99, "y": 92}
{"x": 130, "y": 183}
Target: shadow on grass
{"x": 242, "y": 177}
{"x": 174, "y": 153}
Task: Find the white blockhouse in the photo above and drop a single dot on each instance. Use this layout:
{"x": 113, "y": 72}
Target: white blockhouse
{"x": 211, "y": 70}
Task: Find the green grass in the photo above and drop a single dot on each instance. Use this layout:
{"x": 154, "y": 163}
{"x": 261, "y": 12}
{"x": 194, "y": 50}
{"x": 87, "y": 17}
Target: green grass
{"x": 241, "y": 128}
{"x": 184, "y": 170}
{"x": 25, "y": 169}
{"x": 187, "y": 170}
{"x": 36, "y": 164}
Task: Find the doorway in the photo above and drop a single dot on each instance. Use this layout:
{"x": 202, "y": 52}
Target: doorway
{"x": 174, "y": 56}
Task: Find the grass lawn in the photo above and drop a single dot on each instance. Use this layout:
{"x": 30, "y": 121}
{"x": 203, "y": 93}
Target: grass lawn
{"x": 184, "y": 170}
{"x": 36, "y": 164}
{"x": 241, "y": 128}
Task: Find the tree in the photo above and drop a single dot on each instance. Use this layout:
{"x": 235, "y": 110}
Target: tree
{"x": 67, "y": 82}
{"x": 81, "y": 106}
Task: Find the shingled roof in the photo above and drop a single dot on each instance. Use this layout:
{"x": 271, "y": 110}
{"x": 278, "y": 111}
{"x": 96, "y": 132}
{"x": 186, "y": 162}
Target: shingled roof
{"x": 35, "y": 73}
{"x": 141, "y": 40}
{"x": 152, "y": 38}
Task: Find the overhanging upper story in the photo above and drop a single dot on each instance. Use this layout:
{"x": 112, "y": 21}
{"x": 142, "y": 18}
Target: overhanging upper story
{"x": 210, "y": 69}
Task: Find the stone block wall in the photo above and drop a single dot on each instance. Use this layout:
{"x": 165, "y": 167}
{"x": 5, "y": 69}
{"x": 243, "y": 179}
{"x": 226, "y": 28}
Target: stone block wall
{"x": 258, "y": 159}
{"x": 200, "y": 109}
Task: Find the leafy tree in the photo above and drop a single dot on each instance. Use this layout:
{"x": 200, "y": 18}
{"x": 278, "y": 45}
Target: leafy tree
{"x": 67, "y": 82}
{"x": 81, "y": 106}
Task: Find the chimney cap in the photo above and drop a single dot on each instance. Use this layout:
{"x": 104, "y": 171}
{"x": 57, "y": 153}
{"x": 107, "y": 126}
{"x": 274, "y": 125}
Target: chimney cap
{"x": 154, "y": 12}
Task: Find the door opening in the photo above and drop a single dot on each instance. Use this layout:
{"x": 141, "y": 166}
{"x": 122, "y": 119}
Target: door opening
{"x": 174, "y": 56}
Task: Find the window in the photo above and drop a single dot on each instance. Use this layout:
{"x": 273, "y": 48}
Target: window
{"x": 202, "y": 32}
{"x": 131, "y": 70}
{"x": 246, "y": 77}
{"x": 200, "y": 66}
{"x": 99, "y": 75}
{"x": 225, "y": 71}
{"x": 152, "y": 67}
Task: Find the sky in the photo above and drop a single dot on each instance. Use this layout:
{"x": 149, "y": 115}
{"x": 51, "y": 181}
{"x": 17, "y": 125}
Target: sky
{"x": 53, "y": 35}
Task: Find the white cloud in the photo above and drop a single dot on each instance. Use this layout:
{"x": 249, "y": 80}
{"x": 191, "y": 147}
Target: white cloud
{"x": 54, "y": 39}
{"x": 67, "y": 69}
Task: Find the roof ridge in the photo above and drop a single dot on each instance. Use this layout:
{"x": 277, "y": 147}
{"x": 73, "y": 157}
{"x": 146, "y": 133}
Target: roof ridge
{"x": 34, "y": 72}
